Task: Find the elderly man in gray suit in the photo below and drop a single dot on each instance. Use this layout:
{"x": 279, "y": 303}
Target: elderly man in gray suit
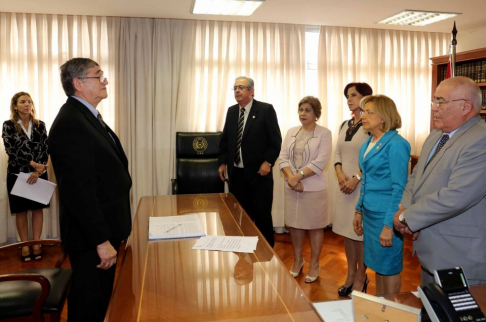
{"x": 444, "y": 203}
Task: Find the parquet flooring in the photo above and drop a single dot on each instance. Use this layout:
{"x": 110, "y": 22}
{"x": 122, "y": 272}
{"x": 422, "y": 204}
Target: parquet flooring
{"x": 334, "y": 267}
{"x": 332, "y": 275}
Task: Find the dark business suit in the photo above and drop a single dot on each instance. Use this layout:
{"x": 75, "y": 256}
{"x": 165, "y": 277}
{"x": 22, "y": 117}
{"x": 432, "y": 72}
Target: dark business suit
{"x": 261, "y": 142}
{"x": 94, "y": 184}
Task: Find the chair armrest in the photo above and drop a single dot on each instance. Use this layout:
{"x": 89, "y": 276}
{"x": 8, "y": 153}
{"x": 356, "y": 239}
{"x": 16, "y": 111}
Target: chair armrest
{"x": 61, "y": 259}
{"x": 175, "y": 189}
{"x": 413, "y": 162}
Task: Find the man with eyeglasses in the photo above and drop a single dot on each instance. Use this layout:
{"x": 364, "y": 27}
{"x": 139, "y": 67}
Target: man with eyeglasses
{"x": 248, "y": 149}
{"x": 444, "y": 203}
{"x": 91, "y": 169}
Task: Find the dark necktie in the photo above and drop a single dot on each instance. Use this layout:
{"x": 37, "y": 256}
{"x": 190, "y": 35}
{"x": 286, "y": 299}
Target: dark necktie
{"x": 239, "y": 136}
{"x": 101, "y": 120}
{"x": 442, "y": 142}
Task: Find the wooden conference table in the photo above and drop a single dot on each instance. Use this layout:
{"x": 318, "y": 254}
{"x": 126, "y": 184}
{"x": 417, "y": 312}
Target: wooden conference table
{"x": 168, "y": 281}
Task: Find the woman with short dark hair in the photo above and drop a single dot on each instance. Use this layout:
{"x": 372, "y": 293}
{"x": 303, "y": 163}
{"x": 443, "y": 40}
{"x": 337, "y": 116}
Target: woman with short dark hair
{"x": 351, "y": 138}
{"x": 303, "y": 157}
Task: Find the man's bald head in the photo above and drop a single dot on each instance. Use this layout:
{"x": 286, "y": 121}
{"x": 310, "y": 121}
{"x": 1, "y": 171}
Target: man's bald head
{"x": 459, "y": 99}
{"x": 466, "y": 88}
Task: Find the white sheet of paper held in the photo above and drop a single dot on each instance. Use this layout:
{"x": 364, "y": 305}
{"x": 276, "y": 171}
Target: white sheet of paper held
{"x": 41, "y": 191}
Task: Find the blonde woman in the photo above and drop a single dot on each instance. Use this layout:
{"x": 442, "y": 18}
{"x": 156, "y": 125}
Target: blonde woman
{"x": 383, "y": 160}
{"x": 25, "y": 141}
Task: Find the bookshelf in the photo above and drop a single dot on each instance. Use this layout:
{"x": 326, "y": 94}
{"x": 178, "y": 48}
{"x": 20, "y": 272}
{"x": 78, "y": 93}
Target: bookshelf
{"x": 470, "y": 63}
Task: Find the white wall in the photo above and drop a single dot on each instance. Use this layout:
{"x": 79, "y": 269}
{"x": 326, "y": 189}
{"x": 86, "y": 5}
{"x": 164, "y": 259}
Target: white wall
{"x": 472, "y": 40}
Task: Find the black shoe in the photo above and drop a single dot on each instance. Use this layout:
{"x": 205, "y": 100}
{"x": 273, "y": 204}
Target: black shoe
{"x": 365, "y": 286}
{"x": 37, "y": 256}
{"x": 345, "y": 291}
{"x": 25, "y": 258}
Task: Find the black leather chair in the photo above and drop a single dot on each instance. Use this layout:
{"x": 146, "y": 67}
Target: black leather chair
{"x": 197, "y": 163}
{"x": 34, "y": 292}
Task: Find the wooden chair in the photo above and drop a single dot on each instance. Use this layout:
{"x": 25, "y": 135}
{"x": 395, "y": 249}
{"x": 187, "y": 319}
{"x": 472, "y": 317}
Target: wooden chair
{"x": 35, "y": 292}
{"x": 413, "y": 162}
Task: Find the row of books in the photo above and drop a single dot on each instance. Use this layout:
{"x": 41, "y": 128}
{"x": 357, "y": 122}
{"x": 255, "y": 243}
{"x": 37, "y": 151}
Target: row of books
{"x": 475, "y": 70}
{"x": 483, "y": 93}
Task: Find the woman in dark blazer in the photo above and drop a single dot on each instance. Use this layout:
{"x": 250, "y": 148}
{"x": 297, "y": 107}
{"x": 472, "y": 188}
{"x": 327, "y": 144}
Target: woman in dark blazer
{"x": 25, "y": 141}
{"x": 383, "y": 160}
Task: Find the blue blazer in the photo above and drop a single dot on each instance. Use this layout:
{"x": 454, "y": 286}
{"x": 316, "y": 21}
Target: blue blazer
{"x": 385, "y": 170}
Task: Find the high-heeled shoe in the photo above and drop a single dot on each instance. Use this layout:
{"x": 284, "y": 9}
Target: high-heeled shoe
{"x": 37, "y": 256}
{"x": 345, "y": 291}
{"x": 25, "y": 258}
{"x": 365, "y": 285}
{"x": 295, "y": 274}
{"x": 312, "y": 279}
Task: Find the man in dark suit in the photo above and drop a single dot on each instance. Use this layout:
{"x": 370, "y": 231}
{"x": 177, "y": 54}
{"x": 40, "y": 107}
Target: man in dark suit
{"x": 94, "y": 184}
{"x": 248, "y": 149}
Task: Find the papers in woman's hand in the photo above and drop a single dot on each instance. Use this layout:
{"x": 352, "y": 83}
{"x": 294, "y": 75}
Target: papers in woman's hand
{"x": 228, "y": 243}
{"x": 41, "y": 191}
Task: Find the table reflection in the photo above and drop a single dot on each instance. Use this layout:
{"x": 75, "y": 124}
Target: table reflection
{"x": 168, "y": 281}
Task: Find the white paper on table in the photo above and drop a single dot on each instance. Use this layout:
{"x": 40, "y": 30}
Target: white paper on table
{"x": 335, "y": 311}
{"x": 41, "y": 191}
{"x": 239, "y": 244}
{"x": 172, "y": 227}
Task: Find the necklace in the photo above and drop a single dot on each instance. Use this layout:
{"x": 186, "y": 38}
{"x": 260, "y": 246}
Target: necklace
{"x": 353, "y": 127}
{"x": 305, "y": 136}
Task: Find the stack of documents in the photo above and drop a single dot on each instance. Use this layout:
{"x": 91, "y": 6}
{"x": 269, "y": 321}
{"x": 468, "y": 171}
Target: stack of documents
{"x": 169, "y": 227}
{"x": 228, "y": 243}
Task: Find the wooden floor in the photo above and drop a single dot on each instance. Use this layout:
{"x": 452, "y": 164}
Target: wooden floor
{"x": 332, "y": 260}
{"x": 334, "y": 267}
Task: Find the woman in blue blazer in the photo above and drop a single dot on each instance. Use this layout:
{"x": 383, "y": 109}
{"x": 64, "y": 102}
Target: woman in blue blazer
{"x": 383, "y": 160}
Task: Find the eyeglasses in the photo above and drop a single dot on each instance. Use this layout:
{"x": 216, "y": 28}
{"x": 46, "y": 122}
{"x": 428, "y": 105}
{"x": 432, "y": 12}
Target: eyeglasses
{"x": 367, "y": 113}
{"x": 102, "y": 78}
{"x": 240, "y": 87}
{"x": 437, "y": 104}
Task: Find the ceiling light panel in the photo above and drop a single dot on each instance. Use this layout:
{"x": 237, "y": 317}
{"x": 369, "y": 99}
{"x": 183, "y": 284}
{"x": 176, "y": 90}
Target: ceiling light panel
{"x": 417, "y": 18}
{"x": 225, "y": 7}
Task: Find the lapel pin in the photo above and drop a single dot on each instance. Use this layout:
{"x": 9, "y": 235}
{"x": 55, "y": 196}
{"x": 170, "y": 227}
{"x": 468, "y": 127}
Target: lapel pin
{"x": 253, "y": 116}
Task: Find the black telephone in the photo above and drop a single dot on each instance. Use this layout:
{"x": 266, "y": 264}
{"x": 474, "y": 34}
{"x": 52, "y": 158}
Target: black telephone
{"x": 449, "y": 299}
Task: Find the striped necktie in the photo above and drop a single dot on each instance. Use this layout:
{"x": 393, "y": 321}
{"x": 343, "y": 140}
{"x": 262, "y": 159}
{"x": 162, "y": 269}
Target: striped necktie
{"x": 101, "y": 120}
{"x": 239, "y": 136}
{"x": 442, "y": 142}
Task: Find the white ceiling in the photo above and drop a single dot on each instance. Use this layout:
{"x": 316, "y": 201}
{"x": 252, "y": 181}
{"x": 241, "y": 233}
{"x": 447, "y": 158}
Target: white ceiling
{"x": 347, "y": 13}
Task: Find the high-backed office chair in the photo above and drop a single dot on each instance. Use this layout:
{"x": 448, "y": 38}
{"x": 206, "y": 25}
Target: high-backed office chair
{"x": 197, "y": 163}
{"x": 34, "y": 292}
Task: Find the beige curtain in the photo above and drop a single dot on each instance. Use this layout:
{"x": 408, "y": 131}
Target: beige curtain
{"x": 394, "y": 63}
{"x": 32, "y": 48}
{"x": 177, "y": 76}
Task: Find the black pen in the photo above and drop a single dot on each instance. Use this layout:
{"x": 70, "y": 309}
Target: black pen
{"x": 173, "y": 228}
